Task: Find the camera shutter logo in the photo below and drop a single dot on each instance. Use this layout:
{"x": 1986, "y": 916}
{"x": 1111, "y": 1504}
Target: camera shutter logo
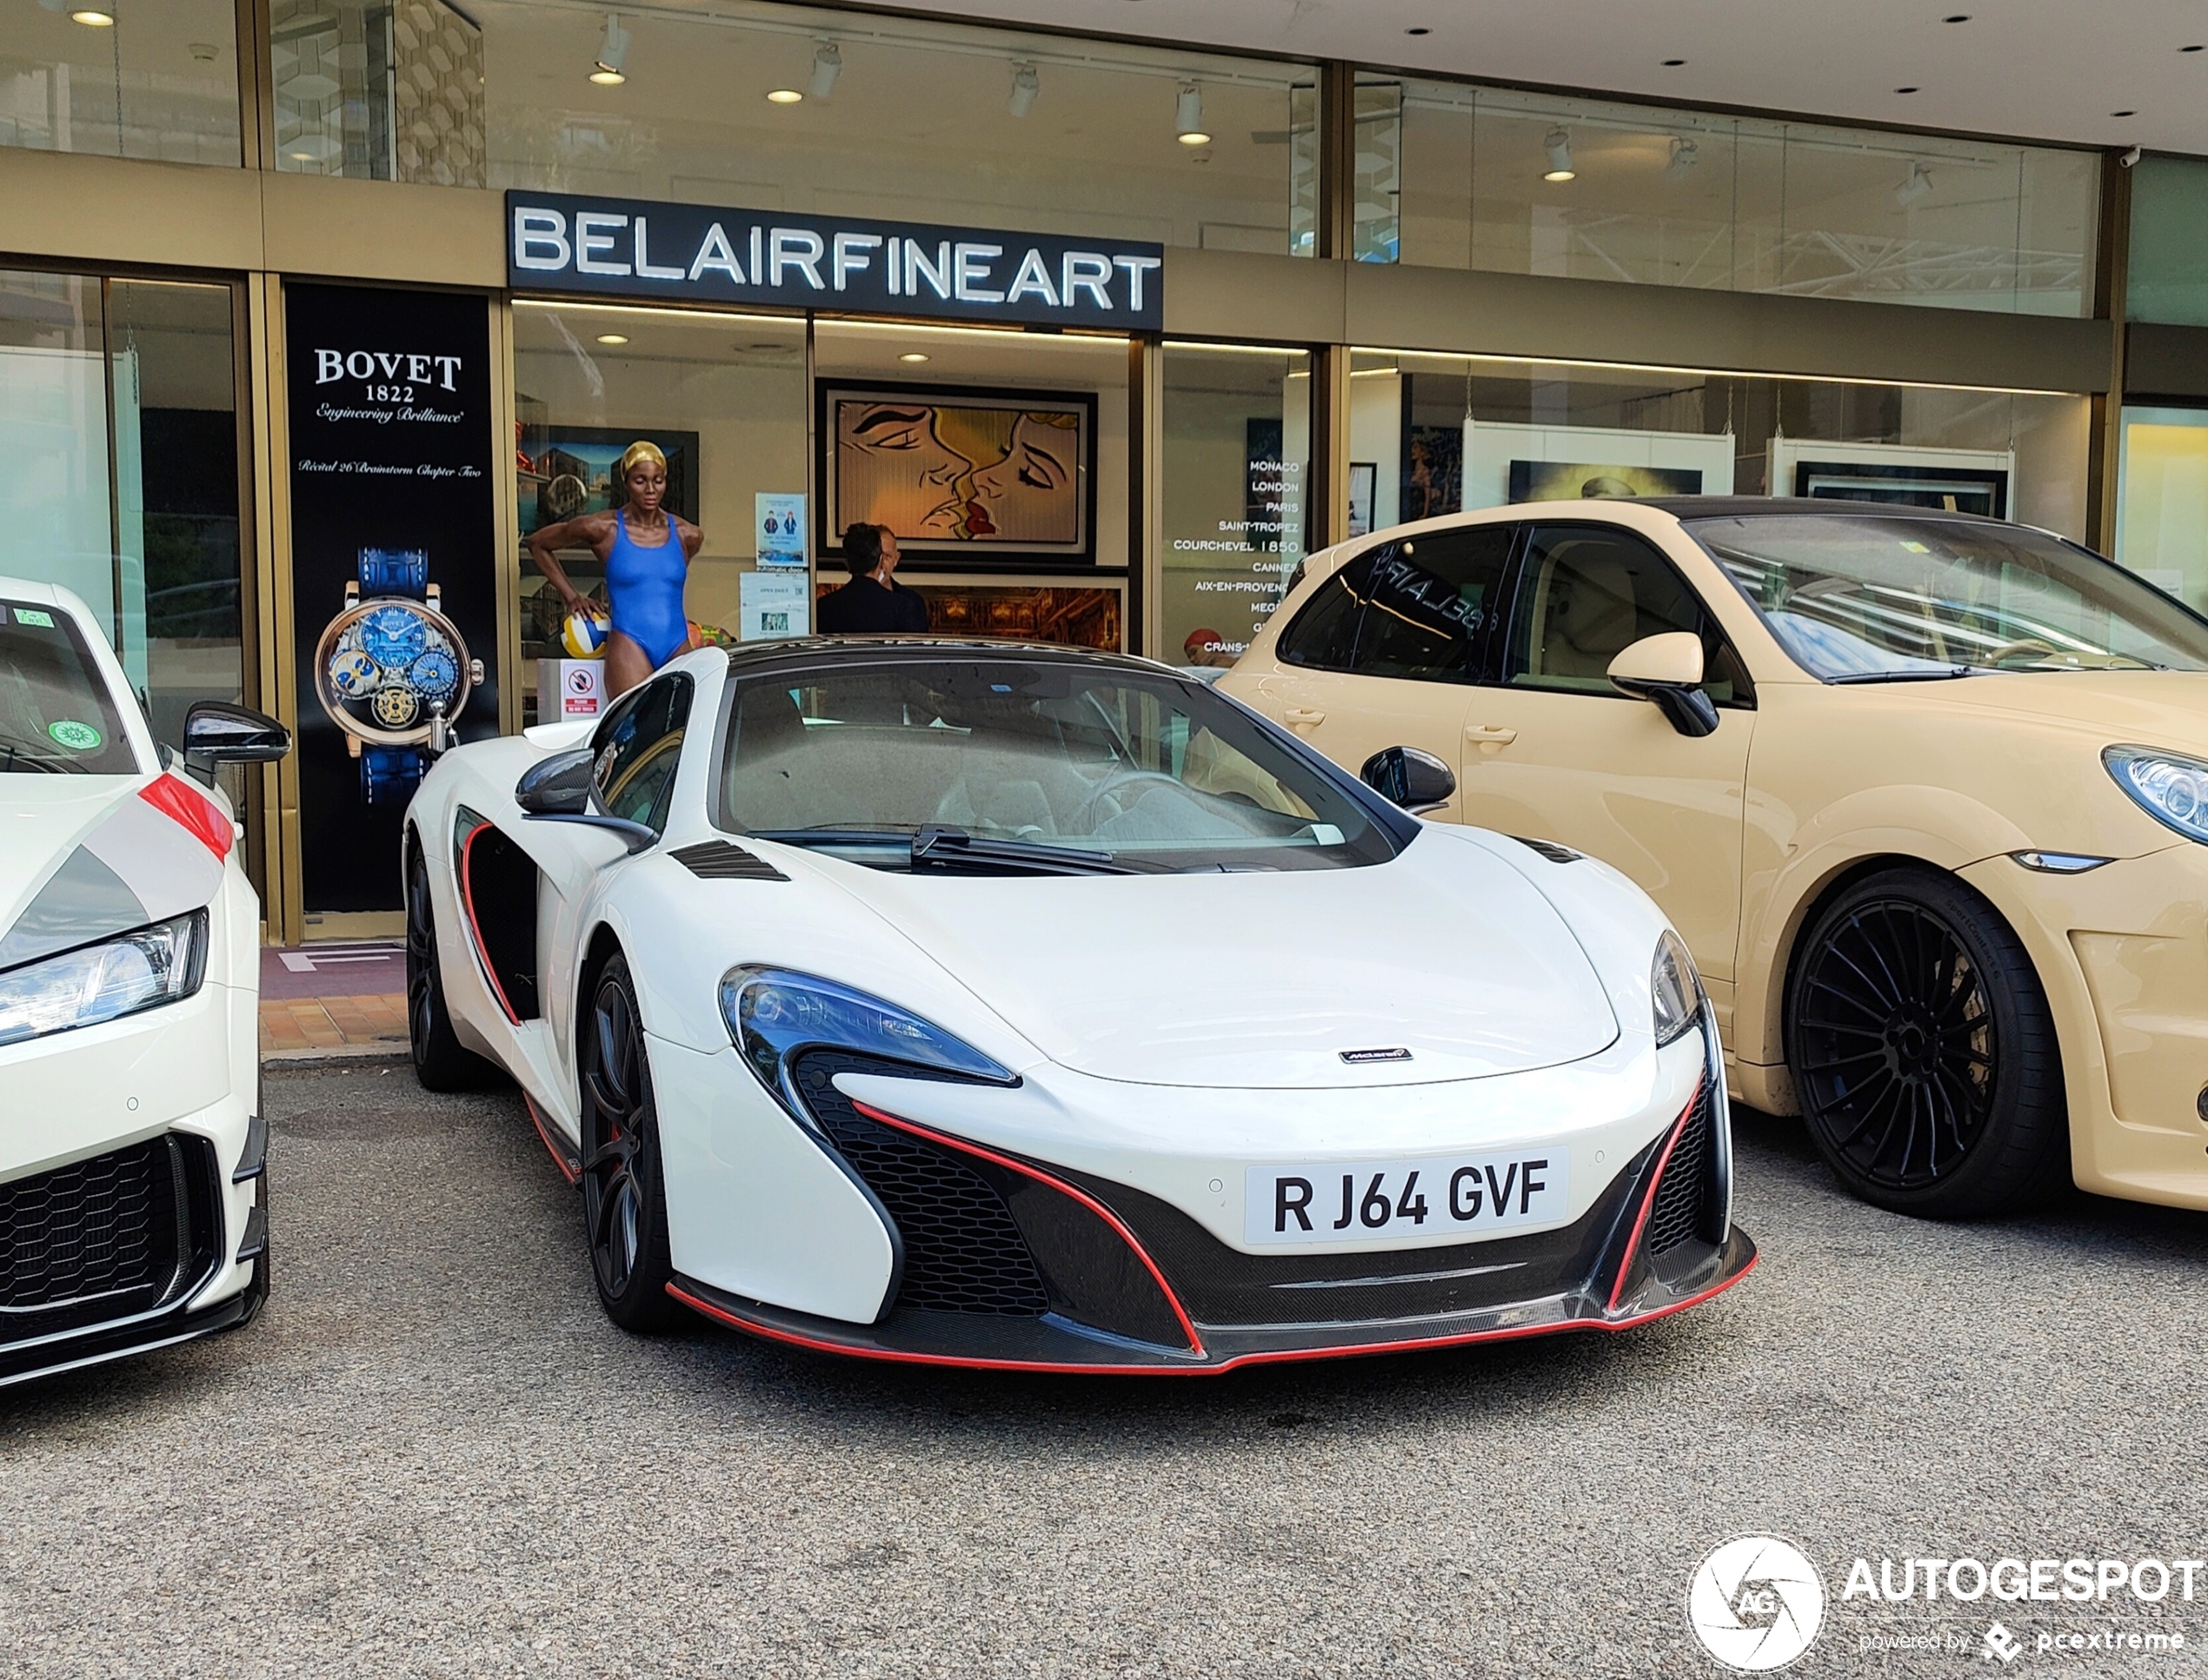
{"x": 1756, "y": 1604}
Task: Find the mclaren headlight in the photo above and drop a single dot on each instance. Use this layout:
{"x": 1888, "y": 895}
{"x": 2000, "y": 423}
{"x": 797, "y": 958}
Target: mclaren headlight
{"x": 1677, "y": 988}
{"x": 774, "y": 1013}
{"x": 139, "y": 970}
{"x": 2169, "y": 786}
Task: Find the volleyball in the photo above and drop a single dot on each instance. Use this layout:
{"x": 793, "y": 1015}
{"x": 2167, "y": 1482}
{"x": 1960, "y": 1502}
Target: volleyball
{"x": 584, "y": 635}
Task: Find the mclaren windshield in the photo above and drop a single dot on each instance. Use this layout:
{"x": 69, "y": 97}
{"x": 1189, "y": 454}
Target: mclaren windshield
{"x": 1019, "y": 765}
{"x": 57, "y": 716}
{"x": 1881, "y": 598}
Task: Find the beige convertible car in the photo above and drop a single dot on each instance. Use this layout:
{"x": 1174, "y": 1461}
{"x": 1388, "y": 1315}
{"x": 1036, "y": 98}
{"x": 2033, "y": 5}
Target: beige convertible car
{"x": 1926, "y": 795}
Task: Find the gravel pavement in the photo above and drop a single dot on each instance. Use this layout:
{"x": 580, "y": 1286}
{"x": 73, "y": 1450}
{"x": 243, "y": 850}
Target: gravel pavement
{"x": 433, "y": 1456}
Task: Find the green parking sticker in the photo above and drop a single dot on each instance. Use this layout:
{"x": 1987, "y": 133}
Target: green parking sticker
{"x": 77, "y": 737}
{"x": 31, "y": 615}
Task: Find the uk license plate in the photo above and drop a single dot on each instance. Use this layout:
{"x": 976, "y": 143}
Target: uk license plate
{"x": 1467, "y": 1198}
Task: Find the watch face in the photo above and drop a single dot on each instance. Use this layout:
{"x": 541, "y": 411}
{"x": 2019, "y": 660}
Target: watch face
{"x": 383, "y": 663}
{"x": 434, "y": 675}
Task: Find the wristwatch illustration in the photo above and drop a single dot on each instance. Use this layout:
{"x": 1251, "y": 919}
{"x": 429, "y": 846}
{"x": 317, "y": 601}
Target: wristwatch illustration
{"x": 392, "y": 672}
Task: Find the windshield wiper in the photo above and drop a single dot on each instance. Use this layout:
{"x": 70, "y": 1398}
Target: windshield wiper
{"x": 934, "y": 847}
{"x": 1942, "y": 674}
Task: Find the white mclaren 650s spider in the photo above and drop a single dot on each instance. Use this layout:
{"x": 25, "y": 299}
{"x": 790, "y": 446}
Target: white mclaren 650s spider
{"x": 993, "y": 1005}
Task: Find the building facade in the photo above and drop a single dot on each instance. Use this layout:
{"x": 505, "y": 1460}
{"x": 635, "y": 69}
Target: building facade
{"x": 308, "y": 304}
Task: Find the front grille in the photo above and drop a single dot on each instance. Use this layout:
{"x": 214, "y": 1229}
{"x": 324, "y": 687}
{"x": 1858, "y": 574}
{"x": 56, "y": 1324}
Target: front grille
{"x": 1676, "y": 1216}
{"x": 106, "y": 1238}
{"x": 962, "y": 1252}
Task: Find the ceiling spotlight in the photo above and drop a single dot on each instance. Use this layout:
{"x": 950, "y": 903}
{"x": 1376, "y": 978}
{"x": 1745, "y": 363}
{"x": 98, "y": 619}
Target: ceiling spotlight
{"x": 93, "y": 19}
{"x": 2123, "y": 113}
{"x": 828, "y": 64}
{"x": 2204, "y": 47}
{"x": 1674, "y": 63}
{"x": 1915, "y": 185}
{"x": 1188, "y": 116}
{"x": 914, "y": 355}
{"x": 613, "y": 338}
{"x": 1558, "y": 144}
{"x": 785, "y": 97}
{"x": 1908, "y": 89}
{"x": 1684, "y": 156}
{"x": 1026, "y": 85}
{"x": 1418, "y": 31}
{"x": 612, "y": 52}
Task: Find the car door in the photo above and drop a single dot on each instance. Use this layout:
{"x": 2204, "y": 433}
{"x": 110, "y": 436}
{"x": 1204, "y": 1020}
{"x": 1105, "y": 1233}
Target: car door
{"x": 637, "y": 748}
{"x": 1385, "y": 653}
{"x": 1550, "y": 751}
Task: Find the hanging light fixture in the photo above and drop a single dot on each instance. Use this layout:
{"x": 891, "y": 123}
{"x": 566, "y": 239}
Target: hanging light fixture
{"x": 1025, "y": 86}
{"x": 828, "y": 64}
{"x": 1917, "y": 185}
{"x": 612, "y": 52}
{"x": 1188, "y": 116}
{"x": 1559, "y": 145}
{"x": 92, "y": 17}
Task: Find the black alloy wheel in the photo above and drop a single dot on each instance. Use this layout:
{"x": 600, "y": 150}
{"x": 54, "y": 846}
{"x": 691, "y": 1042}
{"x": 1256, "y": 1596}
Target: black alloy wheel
{"x": 624, "y": 1199}
{"x": 1922, "y": 1051}
{"x": 441, "y": 1061}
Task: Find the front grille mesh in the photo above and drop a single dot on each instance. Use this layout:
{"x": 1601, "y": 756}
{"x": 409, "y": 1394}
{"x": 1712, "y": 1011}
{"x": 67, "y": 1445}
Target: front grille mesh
{"x": 104, "y": 1226}
{"x": 962, "y": 1252}
{"x": 1677, "y": 1216}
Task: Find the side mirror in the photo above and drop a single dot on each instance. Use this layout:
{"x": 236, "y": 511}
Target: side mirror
{"x": 216, "y": 732}
{"x": 1410, "y": 777}
{"x": 1666, "y": 670}
{"x": 560, "y": 786}
{"x": 558, "y": 790}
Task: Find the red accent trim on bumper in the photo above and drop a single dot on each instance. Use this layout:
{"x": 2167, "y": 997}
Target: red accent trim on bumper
{"x": 551, "y": 1143}
{"x": 475, "y": 929}
{"x": 1648, "y": 1196}
{"x": 1196, "y": 1342}
{"x": 777, "y": 1334}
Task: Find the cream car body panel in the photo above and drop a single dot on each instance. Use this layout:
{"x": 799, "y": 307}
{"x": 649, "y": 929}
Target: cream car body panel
{"x": 1827, "y": 779}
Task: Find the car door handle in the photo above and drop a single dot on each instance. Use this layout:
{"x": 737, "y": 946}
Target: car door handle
{"x": 1304, "y": 714}
{"x": 1489, "y": 737}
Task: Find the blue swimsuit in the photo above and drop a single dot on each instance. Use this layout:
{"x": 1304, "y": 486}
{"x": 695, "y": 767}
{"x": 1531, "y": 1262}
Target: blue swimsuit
{"x": 645, "y": 588}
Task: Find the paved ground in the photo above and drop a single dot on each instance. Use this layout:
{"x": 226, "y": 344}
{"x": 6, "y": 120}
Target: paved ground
{"x": 432, "y": 1456}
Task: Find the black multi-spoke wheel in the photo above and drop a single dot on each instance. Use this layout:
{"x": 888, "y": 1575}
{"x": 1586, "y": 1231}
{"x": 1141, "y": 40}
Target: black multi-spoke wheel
{"x": 441, "y": 1061}
{"x": 624, "y": 1202}
{"x": 1922, "y": 1051}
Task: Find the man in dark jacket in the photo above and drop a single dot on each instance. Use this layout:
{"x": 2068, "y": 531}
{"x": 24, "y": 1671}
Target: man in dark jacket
{"x": 873, "y": 603}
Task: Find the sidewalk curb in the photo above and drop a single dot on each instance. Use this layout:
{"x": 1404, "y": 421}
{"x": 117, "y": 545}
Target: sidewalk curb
{"x": 336, "y": 1053}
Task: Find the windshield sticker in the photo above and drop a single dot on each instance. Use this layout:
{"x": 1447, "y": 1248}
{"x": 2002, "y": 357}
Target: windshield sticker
{"x": 77, "y": 737}
{"x": 31, "y": 615}
{"x": 1916, "y": 547}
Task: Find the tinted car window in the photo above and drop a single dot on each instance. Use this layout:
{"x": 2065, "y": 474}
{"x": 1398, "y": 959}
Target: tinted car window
{"x": 55, "y": 713}
{"x": 1587, "y": 593}
{"x": 638, "y": 747}
{"x": 1418, "y": 609}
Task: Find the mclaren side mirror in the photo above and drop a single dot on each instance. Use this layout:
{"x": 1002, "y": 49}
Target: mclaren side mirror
{"x": 1410, "y": 777}
{"x": 1666, "y": 671}
{"x": 217, "y": 731}
{"x": 558, "y": 790}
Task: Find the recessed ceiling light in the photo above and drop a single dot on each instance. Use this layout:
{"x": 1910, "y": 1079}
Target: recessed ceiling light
{"x": 914, "y": 355}
{"x": 1908, "y": 89}
{"x": 1418, "y": 31}
{"x": 606, "y": 78}
{"x": 1957, "y": 17}
{"x": 91, "y": 19}
{"x": 1674, "y": 63}
{"x": 613, "y": 338}
{"x": 2123, "y": 113}
{"x": 785, "y": 97}
{"x": 2190, "y": 49}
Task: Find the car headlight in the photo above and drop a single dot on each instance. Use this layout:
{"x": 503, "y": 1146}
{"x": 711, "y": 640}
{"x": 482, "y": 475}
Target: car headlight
{"x": 772, "y": 1014}
{"x": 141, "y": 969}
{"x": 2169, "y": 786}
{"x": 1677, "y": 988}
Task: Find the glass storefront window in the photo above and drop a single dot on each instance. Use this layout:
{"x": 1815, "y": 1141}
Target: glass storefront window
{"x": 2162, "y": 502}
{"x": 1440, "y": 433}
{"x": 723, "y": 395}
{"x": 1235, "y": 507}
{"x": 122, "y": 80}
{"x": 1511, "y": 181}
{"x": 776, "y": 107}
{"x": 2168, "y": 278}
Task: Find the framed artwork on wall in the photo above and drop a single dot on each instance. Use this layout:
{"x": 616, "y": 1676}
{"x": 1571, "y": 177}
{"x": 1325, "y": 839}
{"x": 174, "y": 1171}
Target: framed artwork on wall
{"x": 963, "y": 476}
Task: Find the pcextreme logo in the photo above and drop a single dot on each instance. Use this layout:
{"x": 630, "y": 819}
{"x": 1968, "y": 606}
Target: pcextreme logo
{"x": 1756, "y": 1604}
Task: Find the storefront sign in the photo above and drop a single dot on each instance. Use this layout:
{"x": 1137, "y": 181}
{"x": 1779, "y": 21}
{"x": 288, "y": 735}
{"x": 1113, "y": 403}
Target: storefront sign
{"x": 394, "y": 561}
{"x": 701, "y": 254}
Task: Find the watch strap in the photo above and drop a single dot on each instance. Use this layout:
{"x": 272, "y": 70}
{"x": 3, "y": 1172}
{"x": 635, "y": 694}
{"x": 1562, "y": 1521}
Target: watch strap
{"x": 389, "y": 772}
{"x": 394, "y": 572}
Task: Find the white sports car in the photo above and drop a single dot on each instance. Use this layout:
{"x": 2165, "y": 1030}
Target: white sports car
{"x": 131, "y": 1146}
{"x": 1010, "y": 1005}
